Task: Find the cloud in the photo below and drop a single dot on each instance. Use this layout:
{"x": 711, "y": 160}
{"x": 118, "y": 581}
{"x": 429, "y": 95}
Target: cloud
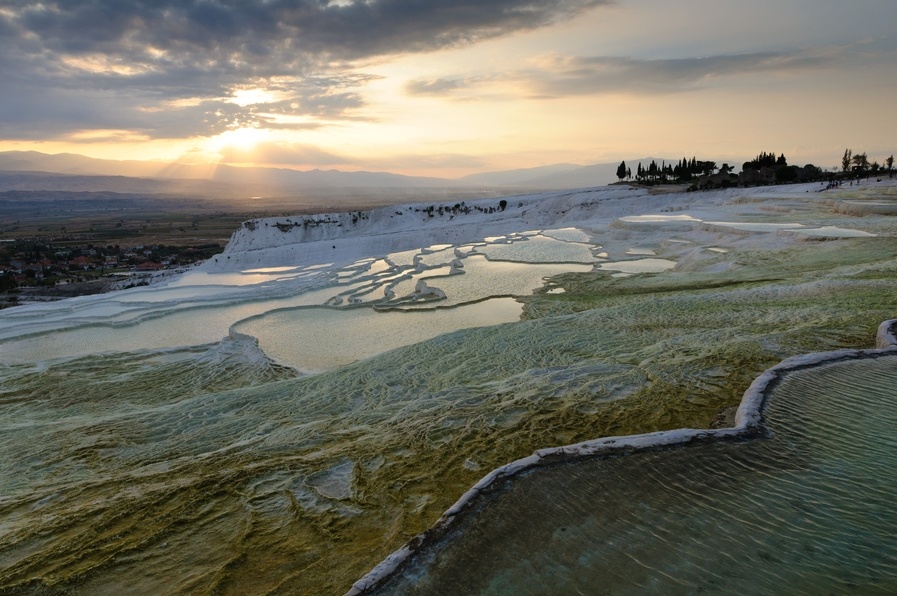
{"x": 434, "y": 86}
{"x": 554, "y": 76}
{"x": 362, "y": 28}
{"x": 565, "y": 75}
{"x": 110, "y": 64}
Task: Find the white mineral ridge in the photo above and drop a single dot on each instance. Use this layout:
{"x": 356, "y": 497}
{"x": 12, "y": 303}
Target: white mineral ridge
{"x": 342, "y": 238}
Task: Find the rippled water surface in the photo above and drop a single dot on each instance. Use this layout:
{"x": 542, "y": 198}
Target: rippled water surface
{"x": 809, "y": 510}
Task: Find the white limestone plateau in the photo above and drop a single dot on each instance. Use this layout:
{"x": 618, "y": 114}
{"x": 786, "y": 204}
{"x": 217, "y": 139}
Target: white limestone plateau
{"x": 748, "y": 423}
{"x": 765, "y": 217}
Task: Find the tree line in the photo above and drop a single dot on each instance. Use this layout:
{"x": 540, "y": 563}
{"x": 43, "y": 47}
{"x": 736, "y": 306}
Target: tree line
{"x": 858, "y": 163}
{"x": 685, "y": 170}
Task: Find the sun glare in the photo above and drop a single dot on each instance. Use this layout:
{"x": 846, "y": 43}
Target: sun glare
{"x": 249, "y": 97}
{"x": 239, "y": 141}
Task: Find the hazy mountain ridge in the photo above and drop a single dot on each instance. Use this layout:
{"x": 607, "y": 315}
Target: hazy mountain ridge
{"x": 36, "y": 181}
{"x": 32, "y": 170}
{"x": 517, "y": 176}
{"x": 272, "y": 178}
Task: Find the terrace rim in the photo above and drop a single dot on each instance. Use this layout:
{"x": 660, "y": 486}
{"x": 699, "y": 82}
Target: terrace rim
{"x": 749, "y": 425}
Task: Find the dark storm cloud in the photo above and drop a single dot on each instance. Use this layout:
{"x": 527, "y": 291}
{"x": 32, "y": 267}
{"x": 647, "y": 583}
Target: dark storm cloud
{"x": 128, "y": 59}
{"x": 349, "y": 31}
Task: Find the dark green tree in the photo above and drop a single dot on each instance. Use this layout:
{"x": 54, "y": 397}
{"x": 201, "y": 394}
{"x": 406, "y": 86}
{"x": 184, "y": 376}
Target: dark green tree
{"x": 764, "y": 160}
{"x": 845, "y": 161}
{"x": 621, "y": 170}
{"x": 7, "y": 282}
{"x": 706, "y": 167}
{"x": 786, "y": 174}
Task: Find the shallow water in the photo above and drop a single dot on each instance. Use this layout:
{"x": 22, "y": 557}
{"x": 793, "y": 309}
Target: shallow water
{"x": 638, "y": 265}
{"x": 540, "y": 249}
{"x": 659, "y": 218}
{"x": 142, "y": 450}
{"x": 834, "y": 232}
{"x": 315, "y": 340}
{"x": 755, "y": 227}
{"x": 199, "y": 308}
{"x": 808, "y": 510}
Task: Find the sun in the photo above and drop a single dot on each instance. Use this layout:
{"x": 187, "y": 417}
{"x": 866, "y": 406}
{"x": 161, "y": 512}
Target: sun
{"x": 237, "y": 144}
{"x": 244, "y": 138}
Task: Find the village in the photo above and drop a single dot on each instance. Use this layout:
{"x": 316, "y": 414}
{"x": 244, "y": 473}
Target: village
{"x": 44, "y": 270}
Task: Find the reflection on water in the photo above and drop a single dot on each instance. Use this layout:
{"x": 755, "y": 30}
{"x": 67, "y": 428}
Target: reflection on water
{"x": 834, "y": 232}
{"x": 503, "y": 278}
{"x": 271, "y": 270}
{"x": 199, "y": 307}
{"x": 807, "y": 511}
{"x": 658, "y": 218}
{"x": 539, "y": 249}
{"x": 201, "y": 278}
{"x": 639, "y": 266}
{"x": 319, "y": 339}
{"x": 755, "y": 227}
{"x": 568, "y": 234}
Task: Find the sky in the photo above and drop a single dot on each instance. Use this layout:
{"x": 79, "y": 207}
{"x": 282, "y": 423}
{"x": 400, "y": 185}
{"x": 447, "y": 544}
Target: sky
{"x": 448, "y": 87}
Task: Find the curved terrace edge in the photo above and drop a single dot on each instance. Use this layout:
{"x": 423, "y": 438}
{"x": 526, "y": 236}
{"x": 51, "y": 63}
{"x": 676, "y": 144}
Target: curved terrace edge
{"x": 748, "y": 423}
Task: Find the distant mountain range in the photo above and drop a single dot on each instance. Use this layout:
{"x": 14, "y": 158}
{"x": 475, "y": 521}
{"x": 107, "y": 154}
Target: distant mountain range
{"x": 32, "y": 170}
{"x": 556, "y": 177}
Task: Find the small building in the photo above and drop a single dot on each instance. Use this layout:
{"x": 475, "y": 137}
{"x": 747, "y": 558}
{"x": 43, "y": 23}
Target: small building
{"x": 82, "y": 263}
{"x": 149, "y": 266}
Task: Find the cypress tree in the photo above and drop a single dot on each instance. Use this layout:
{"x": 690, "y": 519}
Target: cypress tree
{"x": 621, "y": 170}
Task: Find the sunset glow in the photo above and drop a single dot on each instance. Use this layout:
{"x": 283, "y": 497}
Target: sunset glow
{"x": 441, "y": 92}
{"x": 242, "y": 140}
